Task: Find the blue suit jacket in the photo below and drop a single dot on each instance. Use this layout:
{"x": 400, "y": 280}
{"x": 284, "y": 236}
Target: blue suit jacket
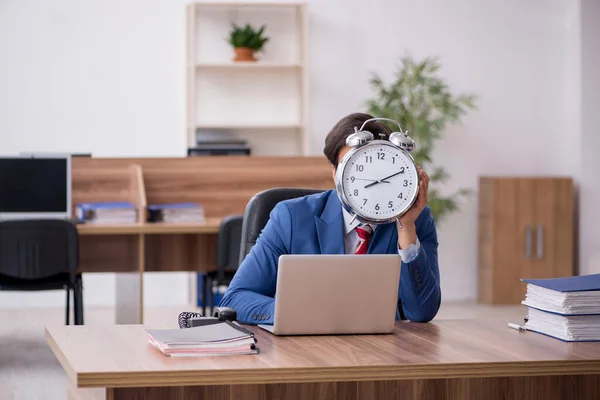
{"x": 315, "y": 225}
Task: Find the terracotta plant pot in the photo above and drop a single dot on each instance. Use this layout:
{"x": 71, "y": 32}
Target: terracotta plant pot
{"x": 244, "y": 54}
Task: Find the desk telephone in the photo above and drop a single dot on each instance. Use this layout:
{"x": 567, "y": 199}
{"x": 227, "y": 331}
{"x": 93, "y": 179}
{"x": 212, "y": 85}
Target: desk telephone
{"x": 193, "y": 319}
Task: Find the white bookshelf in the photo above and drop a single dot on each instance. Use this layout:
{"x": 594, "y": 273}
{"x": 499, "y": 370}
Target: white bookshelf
{"x": 249, "y": 65}
{"x": 263, "y": 102}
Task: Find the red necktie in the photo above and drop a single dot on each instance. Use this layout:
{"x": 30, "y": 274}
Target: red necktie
{"x": 364, "y": 235}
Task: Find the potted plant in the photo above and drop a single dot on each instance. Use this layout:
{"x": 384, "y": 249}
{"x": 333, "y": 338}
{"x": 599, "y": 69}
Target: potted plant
{"x": 246, "y": 41}
{"x": 423, "y": 104}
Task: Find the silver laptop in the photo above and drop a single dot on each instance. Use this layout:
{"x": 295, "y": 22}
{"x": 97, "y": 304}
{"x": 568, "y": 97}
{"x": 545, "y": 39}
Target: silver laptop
{"x": 336, "y": 294}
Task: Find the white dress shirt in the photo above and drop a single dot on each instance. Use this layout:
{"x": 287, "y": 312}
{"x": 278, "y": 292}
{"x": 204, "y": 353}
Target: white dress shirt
{"x": 351, "y": 239}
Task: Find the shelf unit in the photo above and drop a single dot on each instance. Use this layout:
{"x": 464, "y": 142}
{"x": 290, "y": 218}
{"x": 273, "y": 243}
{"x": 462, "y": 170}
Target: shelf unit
{"x": 264, "y": 102}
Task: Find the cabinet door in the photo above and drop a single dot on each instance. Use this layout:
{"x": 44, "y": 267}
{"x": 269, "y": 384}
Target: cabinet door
{"x": 507, "y": 245}
{"x": 524, "y": 230}
{"x": 553, "y": 229}
{"x": 557, "y": 252}
{"x": 544, "y": 225}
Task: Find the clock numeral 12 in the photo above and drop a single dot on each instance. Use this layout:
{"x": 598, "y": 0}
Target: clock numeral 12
{"x": 381, "y": 156}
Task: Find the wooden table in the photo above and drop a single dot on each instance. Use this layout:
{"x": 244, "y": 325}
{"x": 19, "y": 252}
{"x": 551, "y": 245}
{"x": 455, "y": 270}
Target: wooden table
{"x": 222, "y": 185}
{"x": 452, "y": 359}
{"x": 132, "y": 249}
{"x": 211, "y": 225}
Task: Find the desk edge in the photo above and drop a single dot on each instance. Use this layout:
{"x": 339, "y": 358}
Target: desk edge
{"x": 340, "y": 374}
{"x": 60, "y": 356}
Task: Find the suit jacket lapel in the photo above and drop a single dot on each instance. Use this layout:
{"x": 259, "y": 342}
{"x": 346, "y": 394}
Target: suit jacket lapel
{"x": 384, "y": 240}
{"x": 330, "y": 226}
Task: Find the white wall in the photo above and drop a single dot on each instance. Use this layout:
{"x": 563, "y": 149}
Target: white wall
{"x": 109, "y": 79}
{"x": 589, "y": 254}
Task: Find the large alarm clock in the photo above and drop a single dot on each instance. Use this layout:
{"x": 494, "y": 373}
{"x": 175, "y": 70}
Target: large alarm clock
{"x": 377, "y": 181}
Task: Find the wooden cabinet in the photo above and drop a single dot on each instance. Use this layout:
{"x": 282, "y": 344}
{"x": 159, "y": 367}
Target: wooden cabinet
{"x": 526, "y": 230}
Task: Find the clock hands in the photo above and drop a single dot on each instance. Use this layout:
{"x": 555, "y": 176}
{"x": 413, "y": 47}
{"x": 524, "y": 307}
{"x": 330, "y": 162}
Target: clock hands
{"x": 383, "y": 179}
{"x": 370, "y": 180}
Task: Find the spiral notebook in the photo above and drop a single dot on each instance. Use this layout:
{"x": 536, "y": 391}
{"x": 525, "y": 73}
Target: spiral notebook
{"x": 226, "y": 338}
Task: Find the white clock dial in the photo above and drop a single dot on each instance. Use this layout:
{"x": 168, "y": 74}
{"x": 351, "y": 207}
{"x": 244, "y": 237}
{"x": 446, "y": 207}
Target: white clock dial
{"x": 379, "y": 181}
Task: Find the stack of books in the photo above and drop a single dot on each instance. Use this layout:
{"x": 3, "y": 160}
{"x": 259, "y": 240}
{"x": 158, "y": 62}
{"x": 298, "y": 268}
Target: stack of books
{"x": 106, "y": 213}
{"x": 564, "y": 308}
{"x": 179, "y": 212}
{"x": 223, "y": 338}
{"x": 220, "y": 148}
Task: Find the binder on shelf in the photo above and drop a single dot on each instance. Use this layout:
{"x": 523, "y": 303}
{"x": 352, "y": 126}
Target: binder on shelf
{"x": 218, "y": 143}
{"x": 176, "y": 212}
{"x": 106, "y": 212}
{"x": 564, "y": 308}
{"x": 214, "y": 148}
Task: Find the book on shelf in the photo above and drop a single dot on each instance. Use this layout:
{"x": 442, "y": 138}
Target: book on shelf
{"x": 223, "y": 338}
{"x": 564, "y": 308}
{"x": 218, "y": 143}
{"x": 116, "y": 212}
{"x": 176, "y": 212}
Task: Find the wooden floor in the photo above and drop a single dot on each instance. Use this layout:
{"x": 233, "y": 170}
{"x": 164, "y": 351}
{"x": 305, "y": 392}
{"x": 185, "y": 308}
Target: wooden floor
{"x": 25, "y": 358}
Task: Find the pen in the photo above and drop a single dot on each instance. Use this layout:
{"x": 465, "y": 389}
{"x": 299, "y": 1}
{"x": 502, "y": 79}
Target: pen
{"x": 516, "y": 326}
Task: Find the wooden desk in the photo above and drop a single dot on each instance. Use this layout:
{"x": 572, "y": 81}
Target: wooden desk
{"x": 223, "y": 185}
{"x": 132, "y": 249}
{"x": 452, "y": 359}
{"x": 210, "y": 226}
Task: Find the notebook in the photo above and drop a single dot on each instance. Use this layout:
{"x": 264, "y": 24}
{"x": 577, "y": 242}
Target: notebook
{"x": 226, "y": 338}
{"x": 106, "y": 212}
{"x": 575, "y": 295}
{"x": 176, "y": 212}
{"x": 564, "y": 308}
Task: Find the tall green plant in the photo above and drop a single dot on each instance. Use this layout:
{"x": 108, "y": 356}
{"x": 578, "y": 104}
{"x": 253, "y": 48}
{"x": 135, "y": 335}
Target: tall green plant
{"x": 423, "y": 104}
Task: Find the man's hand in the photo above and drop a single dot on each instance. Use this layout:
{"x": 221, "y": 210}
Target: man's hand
{"x": 407, "y": 233}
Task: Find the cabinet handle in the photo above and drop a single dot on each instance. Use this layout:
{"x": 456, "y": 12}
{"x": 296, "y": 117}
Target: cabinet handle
{"x": 528, "y": 241}
{"x": 540, "y": 241}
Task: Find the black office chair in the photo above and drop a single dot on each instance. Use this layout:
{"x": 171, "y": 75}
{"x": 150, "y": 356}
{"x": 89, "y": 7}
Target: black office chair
{"x": 257, "y": 213}
{"x": 258, "y": 210}
{"x": 41, "y": 255}
{"x": 228, "y": 252}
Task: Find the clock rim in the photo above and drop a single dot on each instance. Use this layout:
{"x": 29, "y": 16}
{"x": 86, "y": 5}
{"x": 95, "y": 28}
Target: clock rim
{"x": 339, "y": 173}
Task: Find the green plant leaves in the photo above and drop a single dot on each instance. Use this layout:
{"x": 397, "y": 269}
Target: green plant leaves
{"x": 247, "y": 36}
{"x": 424, "y": 105}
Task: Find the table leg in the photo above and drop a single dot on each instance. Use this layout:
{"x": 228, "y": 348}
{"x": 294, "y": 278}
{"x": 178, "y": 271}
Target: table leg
{"x": 129, "y": 291}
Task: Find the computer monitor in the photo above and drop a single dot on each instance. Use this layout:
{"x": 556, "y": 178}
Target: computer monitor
{"x": 35, "y": 186}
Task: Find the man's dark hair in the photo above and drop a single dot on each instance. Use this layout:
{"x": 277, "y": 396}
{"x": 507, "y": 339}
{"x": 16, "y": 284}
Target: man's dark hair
{"x": 336, "y": 138}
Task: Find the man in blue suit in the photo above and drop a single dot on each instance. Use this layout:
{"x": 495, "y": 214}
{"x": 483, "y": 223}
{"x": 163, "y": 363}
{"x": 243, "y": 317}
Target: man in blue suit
{"x": 318, "y": 224}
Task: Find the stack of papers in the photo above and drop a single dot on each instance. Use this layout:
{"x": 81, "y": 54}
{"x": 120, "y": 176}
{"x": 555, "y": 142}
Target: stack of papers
{"x": 107, "y": 213}
{"x": 180, "y": 212}
{"x": 226, "y": 338}
{"x": 564, "y": 308}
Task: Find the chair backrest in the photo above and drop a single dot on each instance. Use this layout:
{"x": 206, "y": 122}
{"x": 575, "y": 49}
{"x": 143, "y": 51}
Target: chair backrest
{"x": 258, "y": 210}
{"x": 228, "y": 242}
{"x": 36, "y": 249}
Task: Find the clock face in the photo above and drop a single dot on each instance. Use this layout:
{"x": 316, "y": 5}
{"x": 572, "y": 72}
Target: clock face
{"x": 378, "y": 181}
